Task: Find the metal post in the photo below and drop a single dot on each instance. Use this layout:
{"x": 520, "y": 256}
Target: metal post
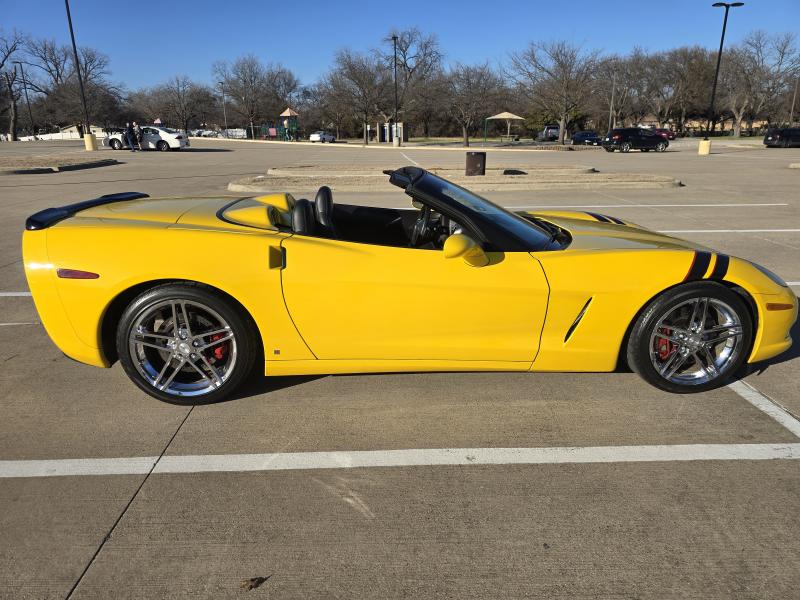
{"x": 794, "y": 97}
{"x": 395, "y": 141}
{"x": 711, "y": 118}
{"x": 224, "y": 111}
{"x": 86, "y": 125}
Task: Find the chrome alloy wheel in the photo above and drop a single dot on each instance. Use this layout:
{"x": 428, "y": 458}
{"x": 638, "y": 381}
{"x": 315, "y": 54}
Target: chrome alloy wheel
{"x": 182, "y": 347}
{"x": 696, "y": 341}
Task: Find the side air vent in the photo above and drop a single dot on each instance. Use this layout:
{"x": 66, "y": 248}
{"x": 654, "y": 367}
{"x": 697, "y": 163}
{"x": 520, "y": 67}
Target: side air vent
{"x": 577, "y": 320}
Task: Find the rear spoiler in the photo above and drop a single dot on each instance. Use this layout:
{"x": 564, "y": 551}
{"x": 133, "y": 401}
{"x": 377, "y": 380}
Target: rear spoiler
{"x": 50, "y": 216}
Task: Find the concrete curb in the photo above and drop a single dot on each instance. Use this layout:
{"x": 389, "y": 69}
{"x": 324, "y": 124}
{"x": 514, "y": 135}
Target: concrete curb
{"x": 377, "y": 146}
{"x": 58, "y": 168}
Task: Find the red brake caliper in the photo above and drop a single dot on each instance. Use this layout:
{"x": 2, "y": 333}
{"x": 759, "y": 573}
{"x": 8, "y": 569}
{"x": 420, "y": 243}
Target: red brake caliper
{"x": 221, "y": 351}
{"x": 664, "y": 346}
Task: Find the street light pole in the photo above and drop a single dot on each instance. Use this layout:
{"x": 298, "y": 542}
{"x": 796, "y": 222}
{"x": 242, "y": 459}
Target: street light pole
{"x": 794, "y": 97}
{"x": 87, "y": 129}
{"x": 728, "y": 6}
{"x": 25, "y": 87}
{"x": 224, "y": 111}
{"x": 395, "y": 140}
{"x": 611, "y": 108}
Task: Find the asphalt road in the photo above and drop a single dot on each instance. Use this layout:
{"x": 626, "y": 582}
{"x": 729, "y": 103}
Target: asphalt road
{"x": 618, "y": 491}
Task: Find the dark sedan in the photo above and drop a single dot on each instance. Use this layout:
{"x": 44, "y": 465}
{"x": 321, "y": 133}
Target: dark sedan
{"x": 667, "y": 134}
{"x": 782, "y": 138}
{"x": 634, "y": 138}
{"x": 586, "y": 138}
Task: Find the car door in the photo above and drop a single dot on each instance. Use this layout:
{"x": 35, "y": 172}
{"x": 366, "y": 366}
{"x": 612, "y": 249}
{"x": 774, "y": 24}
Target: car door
{"x": 150, "y": 137}
{"x": 362, "y": 301}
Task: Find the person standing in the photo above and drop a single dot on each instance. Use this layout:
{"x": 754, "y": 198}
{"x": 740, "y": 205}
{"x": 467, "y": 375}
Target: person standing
{"x": 137, "y": 131}
{"x": 130, "y": 137}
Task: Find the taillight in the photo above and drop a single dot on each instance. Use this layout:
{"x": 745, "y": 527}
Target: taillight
{"x": 76, "y": 274}
{"x": 616, "y": 137}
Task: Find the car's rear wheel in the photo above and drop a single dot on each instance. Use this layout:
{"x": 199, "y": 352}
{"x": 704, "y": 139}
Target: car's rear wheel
{"x": 626, "y": 147}
{"x": 691, "y": 338}
{"x": 661, "y": 147}
{"x": 115, "y": 145}
{"x": 162, "y": 146}
{"x": 185, "y": 344}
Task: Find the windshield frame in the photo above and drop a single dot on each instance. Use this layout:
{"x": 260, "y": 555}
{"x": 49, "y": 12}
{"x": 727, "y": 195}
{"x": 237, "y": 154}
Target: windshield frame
{"x": 496, "y": 228}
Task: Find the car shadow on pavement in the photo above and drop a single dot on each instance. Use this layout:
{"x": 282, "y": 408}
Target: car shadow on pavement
{"x": 264, "y": 385}
{"x": 205, "y": 150}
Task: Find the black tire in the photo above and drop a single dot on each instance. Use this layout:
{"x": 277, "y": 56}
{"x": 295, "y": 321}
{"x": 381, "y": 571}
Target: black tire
{"x": 640, "y": 348}
{"x": 162, "y": 146}
{"x": 244, "y": 349}
{"x": 626, "y": 147}
{"x": 661, "y": 147}
{"x": 115, "y": 144}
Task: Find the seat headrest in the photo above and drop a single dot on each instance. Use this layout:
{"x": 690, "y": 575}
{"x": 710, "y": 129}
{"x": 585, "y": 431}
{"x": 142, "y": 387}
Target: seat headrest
{"x": 303, "y": 221}
{"x": 323, "y": 204}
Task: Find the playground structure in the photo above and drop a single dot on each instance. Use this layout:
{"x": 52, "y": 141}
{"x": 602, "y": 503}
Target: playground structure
{"x": 285, "y": 129}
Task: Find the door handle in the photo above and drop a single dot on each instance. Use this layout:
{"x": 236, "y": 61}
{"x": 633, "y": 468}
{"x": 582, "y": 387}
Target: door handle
{"x": 277, "y": 257}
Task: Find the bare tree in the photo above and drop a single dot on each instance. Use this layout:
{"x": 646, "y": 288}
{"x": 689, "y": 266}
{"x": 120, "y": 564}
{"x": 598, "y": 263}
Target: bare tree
{"x": 557, "y": 76}
{"x": 362, "y": 81}
{"x": 51, "y": 60}
{"x": 473, "y": 91}
{"x": 246, "y": 83}
{"x": 10, "y": 45}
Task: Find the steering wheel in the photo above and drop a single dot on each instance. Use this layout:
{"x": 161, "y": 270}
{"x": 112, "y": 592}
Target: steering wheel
{"x": 420, "y": 227}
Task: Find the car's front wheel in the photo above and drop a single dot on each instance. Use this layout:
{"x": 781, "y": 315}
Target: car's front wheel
{"x": 162, "y": 146}
{"x": 661, "y": 147}
{"x": 691, "y": 338}
{"x": 185, "y": 344}
{"x": 626, "y": 147}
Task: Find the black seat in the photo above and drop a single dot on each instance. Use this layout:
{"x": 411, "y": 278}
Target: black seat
{"x": 323, "y": 206}
{"x": 303, "y": 219}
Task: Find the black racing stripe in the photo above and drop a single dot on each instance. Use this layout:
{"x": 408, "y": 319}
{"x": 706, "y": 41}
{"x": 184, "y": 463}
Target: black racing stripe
{"x": 720, "y": 267}
{"x": 699, "y": 266}
{"x": 599, "y": 217}
{"x": 615, "y": 220}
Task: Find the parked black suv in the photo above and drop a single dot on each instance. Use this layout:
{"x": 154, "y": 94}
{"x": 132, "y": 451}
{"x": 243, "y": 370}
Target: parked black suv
{"x": 634, "y": 138}
{"x": 782, "y": 138}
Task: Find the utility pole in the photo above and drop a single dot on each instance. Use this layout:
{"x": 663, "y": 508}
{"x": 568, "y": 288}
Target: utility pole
{"x": 794, "y": 97}
{"x": 88, "y": 138}
{"x": 395, "y": 139}
{"x": 224, "y": 111}
{"x": 27, "y": 101}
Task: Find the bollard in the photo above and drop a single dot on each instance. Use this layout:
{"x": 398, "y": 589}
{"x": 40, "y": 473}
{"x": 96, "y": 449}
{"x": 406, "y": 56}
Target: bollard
{"x": 90, "y": 142}
{"x": 476, "y": 163}
{"x": 704, "y": 149}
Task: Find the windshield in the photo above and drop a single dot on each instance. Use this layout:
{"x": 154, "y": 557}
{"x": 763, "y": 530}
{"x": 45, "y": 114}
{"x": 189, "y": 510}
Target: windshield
{"x": 503, "y": 229}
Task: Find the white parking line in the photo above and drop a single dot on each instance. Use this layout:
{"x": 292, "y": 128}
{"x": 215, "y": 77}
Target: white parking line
{"x": 767, "y": 405}
{"x": 14, "y": 294}
{"x": 290, "y": 461}
{"x": 729, "y": 230}
{"x": 641, "y": 205}
{"x": 14, "y": 324}
{"x": 409, "y": 158}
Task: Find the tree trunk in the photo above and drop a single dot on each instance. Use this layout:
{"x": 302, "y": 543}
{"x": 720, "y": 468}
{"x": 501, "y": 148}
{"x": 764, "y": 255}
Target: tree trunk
{"x": 366, "y": 135}
{"x": 466, "y": 135}
{"x": 562, "y": 129}
{"x": 737, "y": 124}
{"x": 12, "y": 112}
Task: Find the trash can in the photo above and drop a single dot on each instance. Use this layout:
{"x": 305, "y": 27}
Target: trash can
{"x": 476, "y": 163}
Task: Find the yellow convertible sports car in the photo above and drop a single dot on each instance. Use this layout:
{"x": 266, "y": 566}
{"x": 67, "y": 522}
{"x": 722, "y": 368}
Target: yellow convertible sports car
{"x": 190, "y": 294}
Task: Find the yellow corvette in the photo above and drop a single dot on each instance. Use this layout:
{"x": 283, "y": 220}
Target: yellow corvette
{"x": 190, "y": 294}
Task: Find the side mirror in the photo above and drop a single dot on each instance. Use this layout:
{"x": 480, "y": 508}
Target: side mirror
{"x": 464, "y": 246}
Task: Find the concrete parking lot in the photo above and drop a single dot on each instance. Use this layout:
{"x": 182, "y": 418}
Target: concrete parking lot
{"x": 521, "y": 485}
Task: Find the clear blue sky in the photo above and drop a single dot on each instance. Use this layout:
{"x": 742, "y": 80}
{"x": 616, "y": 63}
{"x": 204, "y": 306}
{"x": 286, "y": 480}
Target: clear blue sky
{"x": 149, "y": 41}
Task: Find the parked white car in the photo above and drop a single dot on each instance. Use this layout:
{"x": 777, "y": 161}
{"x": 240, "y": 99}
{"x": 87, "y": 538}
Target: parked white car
{"x": 322, "y": 136}
{"x": 154, "y": 138}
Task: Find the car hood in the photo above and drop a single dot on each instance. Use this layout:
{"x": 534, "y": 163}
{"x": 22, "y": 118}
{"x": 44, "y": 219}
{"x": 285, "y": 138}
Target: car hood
{"x": 589, "y": 232}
